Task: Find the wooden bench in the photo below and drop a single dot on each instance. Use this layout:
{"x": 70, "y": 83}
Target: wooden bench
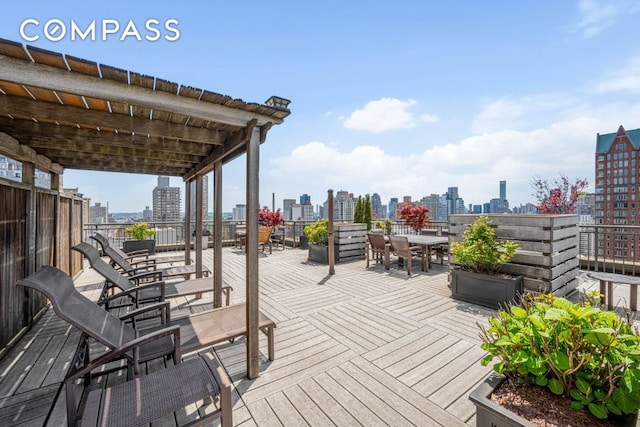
{"x": 606, "y": 287}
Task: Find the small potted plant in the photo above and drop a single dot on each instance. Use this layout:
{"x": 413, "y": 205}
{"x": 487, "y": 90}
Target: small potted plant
{"x": 317, "y": 234}
{"x": 478, "y": 257}
{"x": 141, "y": 232}
{"x": 557, "y": 355}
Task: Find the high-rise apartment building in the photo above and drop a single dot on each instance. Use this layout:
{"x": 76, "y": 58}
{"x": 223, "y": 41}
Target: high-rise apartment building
{"x": 287, "y": 209}
{"x": 12, "y": 169}
{"x": 393, "y": 205}
{"x": 166, "y": 201}
{"x": 377, "y": 212}
{"x": 503, "y": 190}
{"x": 432, "y": 203}
{"x": 240, "y": 213}
{"x": 305, "y": 199}
{"x": 98, "y": 214}
{"x": 617, "y": 172}
{"x": 344, "y": 206}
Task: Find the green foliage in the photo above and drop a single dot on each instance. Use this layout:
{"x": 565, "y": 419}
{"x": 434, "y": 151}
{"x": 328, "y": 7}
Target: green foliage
{"x": 140, "y": 231}
{"x": 385, "y": 225}
{"x": 579, "y": 351}
{"x": 317, "y": 232}
{"x": 367, "y": 211}
{"x": 480, "y": 251}
{"x": 362, "y": 212}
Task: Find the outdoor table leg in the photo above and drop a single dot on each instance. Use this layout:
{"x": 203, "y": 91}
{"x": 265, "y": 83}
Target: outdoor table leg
{"x": 634, "y": 297}
{"x": 610, "y": 295}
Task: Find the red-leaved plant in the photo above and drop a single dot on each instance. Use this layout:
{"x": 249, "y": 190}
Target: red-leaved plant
{"x": 269, "y": 218}
{"x": 561, "y": 198}
{"x": 414, "y": 216}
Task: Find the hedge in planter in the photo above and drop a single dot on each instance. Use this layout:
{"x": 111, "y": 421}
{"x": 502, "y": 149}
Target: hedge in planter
{"x": 581, "y": 352}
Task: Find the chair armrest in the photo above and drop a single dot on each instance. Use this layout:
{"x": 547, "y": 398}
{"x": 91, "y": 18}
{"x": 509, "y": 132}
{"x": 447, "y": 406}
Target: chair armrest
{"x": 127, "y": 347}
{"x": 140, "y": 252}
{"x": 143, "y": 263}
{"x": 155, "y": 275}
{"x": 163, "y": 306}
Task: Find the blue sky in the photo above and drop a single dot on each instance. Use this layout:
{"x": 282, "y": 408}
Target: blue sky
{"x": 399, "y": 98}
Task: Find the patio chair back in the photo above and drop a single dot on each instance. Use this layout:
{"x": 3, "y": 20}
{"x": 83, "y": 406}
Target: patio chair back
{"x": 77, "y": 309}
{"x": 103, "y": 268}
{"x": 400, "y": 246}
{"x": 376, "y": 240}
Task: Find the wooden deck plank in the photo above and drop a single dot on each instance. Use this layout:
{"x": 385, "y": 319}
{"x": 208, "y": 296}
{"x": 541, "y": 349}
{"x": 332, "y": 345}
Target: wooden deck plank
{"x": 344, "y": 344}
{"x": 308, "y": 409}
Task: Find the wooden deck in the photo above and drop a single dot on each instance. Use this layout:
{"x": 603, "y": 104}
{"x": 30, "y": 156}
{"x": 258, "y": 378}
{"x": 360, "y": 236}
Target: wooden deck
{"x": 362, "y": 347}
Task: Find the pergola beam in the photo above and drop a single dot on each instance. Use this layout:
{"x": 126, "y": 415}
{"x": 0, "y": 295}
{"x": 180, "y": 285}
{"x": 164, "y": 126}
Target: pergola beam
{"x": 34, "y": 74}
{"x": 15, "y": 106}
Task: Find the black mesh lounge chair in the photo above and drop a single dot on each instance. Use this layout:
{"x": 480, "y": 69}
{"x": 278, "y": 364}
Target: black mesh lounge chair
{"x": 145, "y": 287}
{"x": 137, "y": 256}
{"x": 133, "y": 267}
{"x": 125, "y": 342}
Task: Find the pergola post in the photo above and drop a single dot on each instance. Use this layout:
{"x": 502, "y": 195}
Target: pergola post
{"x": 187, "y": 222}
{"x": 217, "y": 234}
{"x": 198, "y": 232}
{"x": 252, "y": 275}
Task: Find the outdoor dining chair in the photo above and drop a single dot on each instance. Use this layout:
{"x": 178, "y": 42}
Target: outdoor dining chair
{"x": 400, "y": 247}
{"x": 378, "y": 249}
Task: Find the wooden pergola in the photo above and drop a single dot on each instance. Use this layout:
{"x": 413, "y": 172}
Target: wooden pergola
{"x": 60, "y": 112}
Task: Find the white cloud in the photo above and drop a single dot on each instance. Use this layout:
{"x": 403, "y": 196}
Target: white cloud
{"x": 625, "y": 79}
{"x": 474, "y": 164}
{"x": 514, "y": 113}
{"x": 595, "y": 16}
{"x": 385, "y": 114}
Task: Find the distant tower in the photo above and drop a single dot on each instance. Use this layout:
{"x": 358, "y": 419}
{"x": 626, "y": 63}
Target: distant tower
{"x": 305, "y": 199}
{"x": 166, "y": 201}
{"x": 376, "y": 207}
{"x": 503, "y": 190}
{"x": 393, "y": 202}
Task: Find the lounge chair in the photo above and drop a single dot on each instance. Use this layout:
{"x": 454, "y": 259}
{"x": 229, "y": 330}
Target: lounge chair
{"x": 138, "y": 288}
{"x": 401, "y": 248}
{"x": 133, "y": 268}
{"x": 123, "y": 340}
{"x": 378, "y": 249}
{"x": 136, "y": 256}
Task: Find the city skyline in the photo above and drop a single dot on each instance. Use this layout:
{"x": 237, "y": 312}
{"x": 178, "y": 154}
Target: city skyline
{"x": 410, "y": 99}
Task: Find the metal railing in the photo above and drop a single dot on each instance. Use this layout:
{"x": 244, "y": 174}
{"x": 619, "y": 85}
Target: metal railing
{"x": 611, "y": 248}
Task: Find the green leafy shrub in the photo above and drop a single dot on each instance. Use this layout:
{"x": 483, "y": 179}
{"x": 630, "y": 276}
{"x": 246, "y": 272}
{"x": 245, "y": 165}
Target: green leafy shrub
{"x": 575, "y": 350}
{"x": 480, "y": 251}
{"x": 317, "y": 232}
{"x": 140, "y": 231}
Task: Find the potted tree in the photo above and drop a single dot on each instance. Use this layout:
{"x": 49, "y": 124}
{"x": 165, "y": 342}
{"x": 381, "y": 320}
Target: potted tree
{"x": 317, "y": 234}
{"x": 141, "y": 232}
{"x": 414, "y": 216}
{"x": 554, "y": 358}
{"x": 478, "y": 257}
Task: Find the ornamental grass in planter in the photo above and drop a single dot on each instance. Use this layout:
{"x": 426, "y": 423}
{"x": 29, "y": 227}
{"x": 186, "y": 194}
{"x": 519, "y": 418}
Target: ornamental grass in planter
{"x": 553, "y": 347}
{"x": 479, "y": 256}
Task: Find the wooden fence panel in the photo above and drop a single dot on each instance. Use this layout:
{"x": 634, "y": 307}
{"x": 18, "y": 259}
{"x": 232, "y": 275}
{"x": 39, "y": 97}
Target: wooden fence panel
{"x": 12, "y": 258}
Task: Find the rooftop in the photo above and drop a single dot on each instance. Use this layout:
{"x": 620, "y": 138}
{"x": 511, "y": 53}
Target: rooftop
{"x": 364, "y": 346}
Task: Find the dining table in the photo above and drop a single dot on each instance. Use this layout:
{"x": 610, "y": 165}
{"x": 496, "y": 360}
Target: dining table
{"x": 427, "y": 242}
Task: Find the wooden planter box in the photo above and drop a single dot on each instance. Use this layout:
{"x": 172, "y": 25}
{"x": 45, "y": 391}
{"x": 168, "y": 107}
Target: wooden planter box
{"x": 482, "y": 289}
{"x": 139, "y": 245}
{"x": 548, "y": 254}
{"x": 350, "y": 241}
{"x": 489, "y": 413}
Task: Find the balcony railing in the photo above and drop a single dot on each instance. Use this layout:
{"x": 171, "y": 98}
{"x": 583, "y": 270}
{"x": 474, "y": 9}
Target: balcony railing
{"x": 612, "y": 248}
